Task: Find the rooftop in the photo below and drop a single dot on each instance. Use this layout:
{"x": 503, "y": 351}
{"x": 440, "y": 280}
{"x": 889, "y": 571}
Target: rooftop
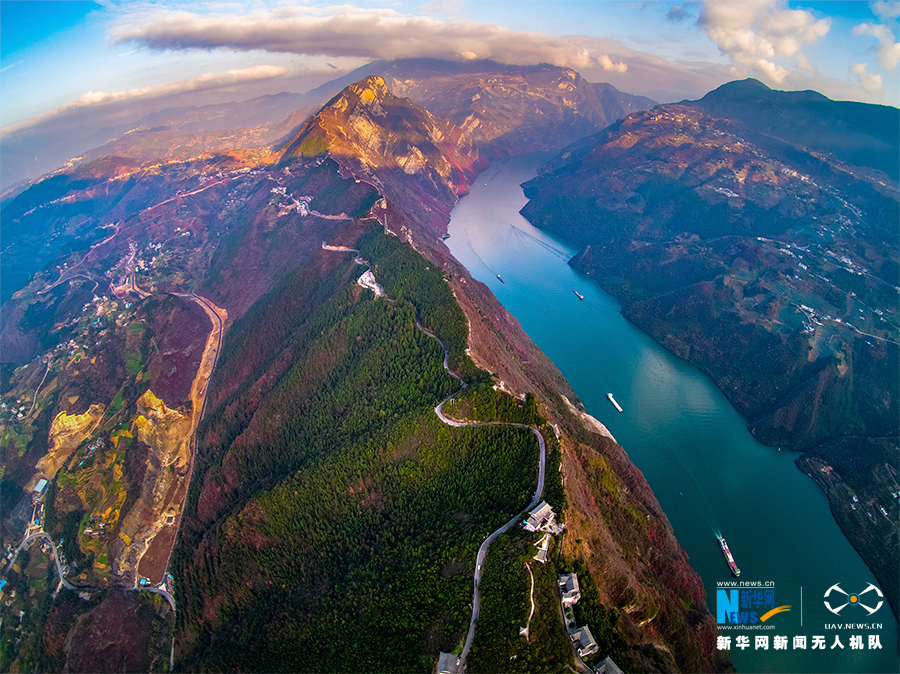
{"x": 447, "y": 663}
{"x": 584, "y": 641}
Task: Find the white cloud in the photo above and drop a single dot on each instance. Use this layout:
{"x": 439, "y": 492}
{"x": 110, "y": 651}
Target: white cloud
{"x": 889, "y": 51}
{"x": 803, "y": 62}
{"x": 869, "y": 81}
{"x": 755, "y": 32}
{"x": 885, "y": 9}
{"x": 200, "y": 83}
{"x": 607, "y": 64}
{"x": 772, "y": 71}
{"x": 352, "y": 32}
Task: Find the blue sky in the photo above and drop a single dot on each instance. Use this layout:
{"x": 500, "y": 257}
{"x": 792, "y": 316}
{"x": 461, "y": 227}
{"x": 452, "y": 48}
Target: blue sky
{"x": 60, "y": 57}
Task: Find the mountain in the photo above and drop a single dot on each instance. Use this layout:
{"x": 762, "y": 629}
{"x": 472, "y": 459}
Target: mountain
{"x": 327, "y": 518}
{"x": 761, "y": 245}
{"x": 493, "y": 110}
{"x": 858, "y": 134}
{"x": 617, "y": 104}
{"x": 510, "y": 109}
{"x": 181, "y": 132}
{"x": 412, "y": 156}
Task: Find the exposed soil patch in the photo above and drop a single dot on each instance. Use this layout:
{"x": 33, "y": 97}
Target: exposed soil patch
{"x": 180, "y": 328}
{"x": 66, "y": 434}
{"x": 114, "y": 637}
{"x": 153, "y": 563}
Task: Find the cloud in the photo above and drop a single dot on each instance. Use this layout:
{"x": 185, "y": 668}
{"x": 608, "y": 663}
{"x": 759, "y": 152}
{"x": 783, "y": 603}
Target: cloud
{"x": 870, "y": 82}
{"x": 676, "y": 14}
{"x": 607, "y": 64}
{"x": 803, "y": 62}
{"x": 889, "y": 51}
{"x": 11, "y": 65}
{"x": 885, "y": 9}
{"x": 200, "y": 83}
{"x": 351, "y": 32}
{"x": 755, "y": 32}
{"x": 772, "y": 71}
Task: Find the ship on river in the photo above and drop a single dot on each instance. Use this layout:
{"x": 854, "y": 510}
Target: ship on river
{"x": 614, "y": 402}
{"x": 728, "y": 557}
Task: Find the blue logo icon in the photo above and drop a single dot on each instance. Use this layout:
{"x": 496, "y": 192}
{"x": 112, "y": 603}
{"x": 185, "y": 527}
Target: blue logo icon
{"x": 742, "y": 607}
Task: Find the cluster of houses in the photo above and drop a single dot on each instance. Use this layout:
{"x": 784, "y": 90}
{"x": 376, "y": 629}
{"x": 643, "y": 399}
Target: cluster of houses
{"x": 543, "y": 518}
{"x": 581, "y": 637}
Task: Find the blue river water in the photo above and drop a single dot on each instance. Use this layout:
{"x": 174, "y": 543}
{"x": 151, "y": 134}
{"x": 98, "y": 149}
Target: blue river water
{"x": 708, "y": 472}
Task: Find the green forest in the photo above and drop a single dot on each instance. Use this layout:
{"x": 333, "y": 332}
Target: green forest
{"x": 484, "y": 403}
{"x": 506, "y": 604}
{"x": 333, "y": 520}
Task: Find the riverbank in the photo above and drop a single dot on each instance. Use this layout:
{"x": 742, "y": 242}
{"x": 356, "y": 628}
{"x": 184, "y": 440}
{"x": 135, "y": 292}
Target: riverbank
{"x": 705, "y": 468}
{"x": 632, "y": 570}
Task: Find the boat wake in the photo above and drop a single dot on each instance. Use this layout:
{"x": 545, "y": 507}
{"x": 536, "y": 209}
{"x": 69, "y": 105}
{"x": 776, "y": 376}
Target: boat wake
{"x": 562, "y": 255}
{"x": 694, "y": 486}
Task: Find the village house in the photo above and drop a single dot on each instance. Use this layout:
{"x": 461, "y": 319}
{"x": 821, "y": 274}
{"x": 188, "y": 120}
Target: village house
{"x": 542, "y": 518}
{"x": 569, "y": 589}
{"x": 584, "y": 641}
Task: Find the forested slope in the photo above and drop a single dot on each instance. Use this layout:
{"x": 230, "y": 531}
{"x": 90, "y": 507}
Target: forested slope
{"x": 335, "y": 519}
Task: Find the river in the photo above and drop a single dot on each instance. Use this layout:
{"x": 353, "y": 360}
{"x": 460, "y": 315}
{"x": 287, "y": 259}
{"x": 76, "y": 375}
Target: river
{"x": 706, "y": 469}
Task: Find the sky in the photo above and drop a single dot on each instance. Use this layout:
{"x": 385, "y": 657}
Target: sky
{"x": 115, "y": 58}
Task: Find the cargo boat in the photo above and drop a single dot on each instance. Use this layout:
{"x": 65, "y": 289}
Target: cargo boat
{"x": 580, "y": 296}
{"x": 501, "y": 280}
{"x": 614, "y": 402}
{"x": 725, "y": 551}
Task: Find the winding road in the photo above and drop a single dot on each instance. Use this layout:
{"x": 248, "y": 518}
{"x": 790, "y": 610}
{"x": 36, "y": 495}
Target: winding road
{"x": 542, "y": 462}
{"x": 25, "y": 542}
{"x": 215, "y": 316}
{"x": 66, "y": 584}
{"x": 482, "y": 551}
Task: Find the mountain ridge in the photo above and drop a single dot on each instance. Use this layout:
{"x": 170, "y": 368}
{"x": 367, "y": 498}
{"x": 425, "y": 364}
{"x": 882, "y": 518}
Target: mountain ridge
{"x": 766, "y": 257}
{"x": 416, "y": 146}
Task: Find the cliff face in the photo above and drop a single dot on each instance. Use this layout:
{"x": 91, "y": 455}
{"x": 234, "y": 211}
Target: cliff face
{"x": 408, "y": 154}
{"x": 510, "y": 109}
{"x": 764, "y": 252}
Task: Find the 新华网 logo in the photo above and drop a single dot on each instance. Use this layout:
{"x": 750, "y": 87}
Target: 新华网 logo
{"x": 851, "y": 599}
{"x": 746, "y": 607}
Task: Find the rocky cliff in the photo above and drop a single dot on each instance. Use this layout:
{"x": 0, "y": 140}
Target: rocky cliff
{"x": 408, "y": 154}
